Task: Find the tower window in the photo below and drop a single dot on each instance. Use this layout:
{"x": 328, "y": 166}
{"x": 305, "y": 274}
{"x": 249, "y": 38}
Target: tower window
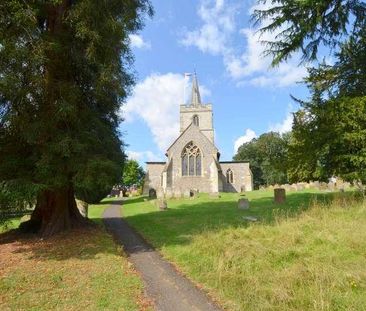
{"x": 196, "y": 120}
{"x": 191, "y": 160}
{"x": 229, "y": 176}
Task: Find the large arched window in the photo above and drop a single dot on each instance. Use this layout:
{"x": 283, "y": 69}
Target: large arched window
{"x": 191, "y": 160}
{"x": 196, "y": 120}
{"x": 229, "y": 176}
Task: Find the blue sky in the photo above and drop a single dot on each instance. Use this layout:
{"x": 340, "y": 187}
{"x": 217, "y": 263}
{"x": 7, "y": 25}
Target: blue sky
{"x": 215, "y": 38}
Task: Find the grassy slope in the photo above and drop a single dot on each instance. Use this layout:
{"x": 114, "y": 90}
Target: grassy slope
{"x": 293, "y": 259}
{"x": 79, "y": 270}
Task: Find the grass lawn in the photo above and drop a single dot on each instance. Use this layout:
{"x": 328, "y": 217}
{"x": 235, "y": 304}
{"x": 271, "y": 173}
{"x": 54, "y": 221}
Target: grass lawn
{"x": 78, "y": 270}
{"x": 295, "y": 257}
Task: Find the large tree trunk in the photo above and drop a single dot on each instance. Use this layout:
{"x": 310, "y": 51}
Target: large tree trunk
{"x": 55, "y": 211}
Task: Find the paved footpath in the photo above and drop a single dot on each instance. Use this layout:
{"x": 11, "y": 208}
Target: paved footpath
{"x": 169, "y": 290}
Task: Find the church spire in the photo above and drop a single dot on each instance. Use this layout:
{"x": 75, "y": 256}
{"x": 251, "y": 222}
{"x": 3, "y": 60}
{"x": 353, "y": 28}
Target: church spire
{"x": 196, "y": 98}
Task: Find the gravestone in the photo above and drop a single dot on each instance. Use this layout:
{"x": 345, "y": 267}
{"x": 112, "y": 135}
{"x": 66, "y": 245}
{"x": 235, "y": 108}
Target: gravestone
{"x": 82, "y": 207}
{"x": 243, "y": 204}
{"x": 187, "y": 194}
{"x": 215, "y": 195}
{"x": 152, "y": 194}
{"x": 193, "y": 194}
{"x": 250, "y": 218}
{"x": 279, "y": 195}
{"x": 242, "y": 189}
{"x": 162, "y": 204}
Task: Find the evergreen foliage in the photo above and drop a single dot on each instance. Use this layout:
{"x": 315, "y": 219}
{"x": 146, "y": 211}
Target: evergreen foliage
{"x": 65, "y": 69}
{"x": 328, "y": 136}
{"x": 307, "y": 25}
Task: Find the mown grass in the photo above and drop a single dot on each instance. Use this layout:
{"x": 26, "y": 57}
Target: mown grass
{"x": 10, "y": 224}
{"x": 308, "y": 254}
{"x": 77, "y": 270}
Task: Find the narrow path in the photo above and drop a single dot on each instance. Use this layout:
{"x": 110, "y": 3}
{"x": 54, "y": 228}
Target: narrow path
{"x": 169, "y": 290}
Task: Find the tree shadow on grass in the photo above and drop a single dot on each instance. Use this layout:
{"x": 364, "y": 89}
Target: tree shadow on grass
{"x": 178, "y": 225}
{"x": 86, "y": 243}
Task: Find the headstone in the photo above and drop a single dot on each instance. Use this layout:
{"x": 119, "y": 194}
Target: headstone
{"x": 243, "y": 204}
{"x": 82, "y": 207}
{"x": 162, "y": 205}
{"x": 331, "y": 186}
{"x": 187, "y": 194}
{"x": 215, "y": 195}
{"x": 242, "y": 189}
{"x": 279, "y": 195}
{"x": 152, "y": 194}
{"x": 193, "y": 194}
{"x": 250, "y": 218}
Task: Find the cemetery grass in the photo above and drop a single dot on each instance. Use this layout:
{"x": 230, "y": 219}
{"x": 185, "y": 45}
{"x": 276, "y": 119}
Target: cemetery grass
{"x": 307, "y": 254}
{"x": 77, "y": 270}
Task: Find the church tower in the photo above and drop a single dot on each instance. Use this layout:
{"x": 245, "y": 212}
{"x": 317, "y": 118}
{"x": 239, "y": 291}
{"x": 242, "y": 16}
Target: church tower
{"x": 197, "y": 113}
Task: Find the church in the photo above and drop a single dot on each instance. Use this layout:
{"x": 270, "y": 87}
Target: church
{"x": 193, "y": 161}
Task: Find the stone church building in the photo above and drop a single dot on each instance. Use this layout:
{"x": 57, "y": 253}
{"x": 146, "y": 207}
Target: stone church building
{"x": 193, "y": 159}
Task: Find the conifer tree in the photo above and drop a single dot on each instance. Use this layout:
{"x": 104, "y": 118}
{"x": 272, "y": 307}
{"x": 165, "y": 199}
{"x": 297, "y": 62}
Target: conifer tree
{"x": 65, "y": 70}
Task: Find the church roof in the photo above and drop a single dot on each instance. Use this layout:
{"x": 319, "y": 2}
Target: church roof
{"x": 188, "y": 127}
{"x": 195, "y": 97}
{"x": 229, "y": 162}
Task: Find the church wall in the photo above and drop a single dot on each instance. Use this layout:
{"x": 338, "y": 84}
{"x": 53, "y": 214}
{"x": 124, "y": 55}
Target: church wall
{"x": 242, "y": 176}
{"x": 204, "y": 114}
{"x": 153, "y": 176}
{"x": 204, "y": 183}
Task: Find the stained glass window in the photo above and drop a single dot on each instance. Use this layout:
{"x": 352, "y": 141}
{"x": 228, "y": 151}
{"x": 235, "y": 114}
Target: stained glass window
{"x": 191, "y": 160}
{"x": 185, "y": 165}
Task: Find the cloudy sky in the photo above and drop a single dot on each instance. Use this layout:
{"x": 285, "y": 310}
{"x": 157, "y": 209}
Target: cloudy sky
{"x": 215, "y": 38}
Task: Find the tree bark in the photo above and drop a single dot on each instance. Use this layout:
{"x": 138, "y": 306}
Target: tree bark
{"x": 55, "y": 211}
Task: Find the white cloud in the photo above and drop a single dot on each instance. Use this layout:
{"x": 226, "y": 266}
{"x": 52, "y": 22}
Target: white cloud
{"x": 247, "y": 137}
{"x": 218, "y": 23}
{"x": 142, "y": 156}
{"x": 248, "y": 65}
{"x": 138, "y": 42}
{"x": 156, "y": 100}
{"x": 284, "y": 126}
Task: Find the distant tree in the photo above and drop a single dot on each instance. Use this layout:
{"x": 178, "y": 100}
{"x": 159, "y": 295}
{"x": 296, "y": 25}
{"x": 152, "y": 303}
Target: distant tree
{"x": 332, "y": 123}
{"x": 65, "y": 71}
{"x": 133, "y": 174}
{"x": 309, "y": 24}
{"x": 267, "y": 156}
{"x": 329, "y": 129}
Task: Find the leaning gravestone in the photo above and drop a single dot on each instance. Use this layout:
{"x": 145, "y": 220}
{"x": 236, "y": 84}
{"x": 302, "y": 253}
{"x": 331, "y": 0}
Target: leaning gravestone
{"x": 243, "y": 204}
{"x": 279, "y": 195}
{"x": 162, "y": 205}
